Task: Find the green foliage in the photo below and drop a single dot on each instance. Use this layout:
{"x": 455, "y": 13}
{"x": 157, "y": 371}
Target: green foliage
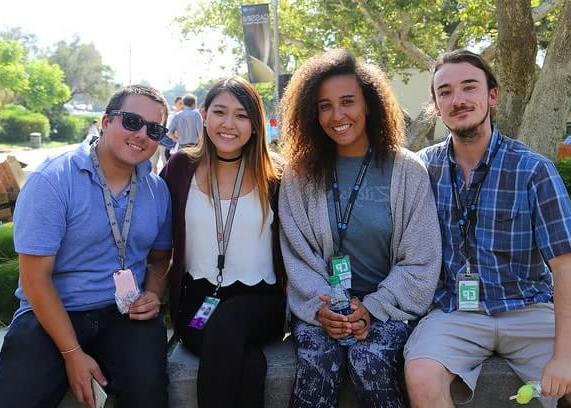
{"x": 8, "y": 274}
{"x": 16, "y": 124}
{"x": 45, "y": 86}
{"x": 85, "y": 73}
{"x": 68, "y": 128}
{"x": 12, "y": 72}
{"x": 8, "y": 284}
{"x": 396, "y": 34}
{"x": 564, "y": 168}
{"x": 7, "y": 250}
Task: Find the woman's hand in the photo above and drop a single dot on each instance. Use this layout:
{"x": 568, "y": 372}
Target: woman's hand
{"x": 360, "y": 319}
{"x": 335, "y": 325}
{"x": 146, "y": 307}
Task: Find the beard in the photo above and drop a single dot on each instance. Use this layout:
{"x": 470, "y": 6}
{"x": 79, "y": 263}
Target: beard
{"x": 471, "y": 132}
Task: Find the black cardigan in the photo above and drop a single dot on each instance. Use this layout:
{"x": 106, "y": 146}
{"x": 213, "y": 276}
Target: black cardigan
{"x": 178, "y": 173}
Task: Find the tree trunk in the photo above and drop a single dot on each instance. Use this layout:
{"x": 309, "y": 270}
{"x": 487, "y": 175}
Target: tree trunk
{"x": 516, "y": 49}
{"x": 543, "y": 124}
{"x": 420, "y": 131}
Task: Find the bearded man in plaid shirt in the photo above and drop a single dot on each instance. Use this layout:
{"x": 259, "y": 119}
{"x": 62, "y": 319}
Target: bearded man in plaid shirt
{"x": 505, "y": 218}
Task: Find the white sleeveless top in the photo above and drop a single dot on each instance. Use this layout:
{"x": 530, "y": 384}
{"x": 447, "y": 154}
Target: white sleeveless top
{"x": 249, "y": 254}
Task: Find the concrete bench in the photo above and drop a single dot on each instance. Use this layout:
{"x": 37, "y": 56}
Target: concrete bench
{"x": 496, "y": 383}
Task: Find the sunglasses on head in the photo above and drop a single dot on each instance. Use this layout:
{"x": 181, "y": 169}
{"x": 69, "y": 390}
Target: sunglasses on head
{"x": 134, "y": 122}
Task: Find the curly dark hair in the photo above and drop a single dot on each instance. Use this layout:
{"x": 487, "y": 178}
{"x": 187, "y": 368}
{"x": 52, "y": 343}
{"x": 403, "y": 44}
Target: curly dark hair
{"x": 305, "y": 144}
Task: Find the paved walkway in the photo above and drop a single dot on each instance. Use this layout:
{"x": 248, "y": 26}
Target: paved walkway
{"x": 33, "y": 157}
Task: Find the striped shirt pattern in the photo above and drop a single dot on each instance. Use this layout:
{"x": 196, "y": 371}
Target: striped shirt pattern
{"x": 523, "y": 220}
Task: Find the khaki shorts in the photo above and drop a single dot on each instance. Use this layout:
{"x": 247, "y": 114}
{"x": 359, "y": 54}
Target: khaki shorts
{"x": 461, "y": 341}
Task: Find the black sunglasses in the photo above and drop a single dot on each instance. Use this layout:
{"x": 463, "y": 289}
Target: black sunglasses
{"x": 134, "y": 122}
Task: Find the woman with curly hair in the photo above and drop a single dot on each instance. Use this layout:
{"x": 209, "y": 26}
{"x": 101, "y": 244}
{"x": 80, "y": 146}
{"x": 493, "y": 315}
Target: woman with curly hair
{"x": 227, "y": 280}
{"x": 353, "y": 200}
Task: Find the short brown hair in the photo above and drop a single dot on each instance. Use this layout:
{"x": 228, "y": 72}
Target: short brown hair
{"x": 117, "y": 99}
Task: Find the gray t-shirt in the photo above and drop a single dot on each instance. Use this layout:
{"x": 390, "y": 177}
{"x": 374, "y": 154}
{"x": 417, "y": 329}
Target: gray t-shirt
{"x": 368, "y": 236}
{"x": 188, "y": 125}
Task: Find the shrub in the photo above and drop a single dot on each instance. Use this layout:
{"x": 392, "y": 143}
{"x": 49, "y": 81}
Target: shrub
{"x": 8, "y": 273}
{"x": 67, "y": 128}
{"x": 16, "y": 124}
{"x": 564, "y": 167}
{"x": 8, "y": 284}
{"x": 7, "y": 250}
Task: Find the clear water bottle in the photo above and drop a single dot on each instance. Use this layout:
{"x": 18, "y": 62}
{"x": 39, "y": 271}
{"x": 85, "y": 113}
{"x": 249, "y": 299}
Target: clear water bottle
{"x": 527, "y": 392}
{"x": 341, "y": 303}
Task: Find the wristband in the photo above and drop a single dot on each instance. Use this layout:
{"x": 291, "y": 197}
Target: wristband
{"x": 71, "y": 350}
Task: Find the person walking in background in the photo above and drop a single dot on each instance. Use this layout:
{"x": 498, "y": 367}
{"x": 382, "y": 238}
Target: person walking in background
{"x": 91, "y": 227}
{"x": 352, "y": 200}
{"x": 505, "y": 219}
{"x": 186, "y": 125}
{"x": 92, "y": 132}
{"x": 227, "y": 279}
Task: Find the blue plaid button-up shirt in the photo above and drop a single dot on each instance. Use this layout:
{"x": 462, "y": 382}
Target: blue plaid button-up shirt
{"x": 523, "y": 219}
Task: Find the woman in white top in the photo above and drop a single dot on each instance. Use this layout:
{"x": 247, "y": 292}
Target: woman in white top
{"x": 227, "y": 297}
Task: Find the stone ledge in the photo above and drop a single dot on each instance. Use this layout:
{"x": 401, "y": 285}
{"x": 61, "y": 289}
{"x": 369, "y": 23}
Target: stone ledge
{"x": 496, "y": 383}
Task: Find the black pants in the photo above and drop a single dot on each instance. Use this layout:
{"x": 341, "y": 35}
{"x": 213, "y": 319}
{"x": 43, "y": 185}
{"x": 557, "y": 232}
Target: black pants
{"x": 232, "y": 368}
{"x": 131, "y": 355}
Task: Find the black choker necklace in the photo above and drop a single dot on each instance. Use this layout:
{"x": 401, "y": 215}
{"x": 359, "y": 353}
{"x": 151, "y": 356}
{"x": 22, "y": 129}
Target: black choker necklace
{"x": 233, "y": 159}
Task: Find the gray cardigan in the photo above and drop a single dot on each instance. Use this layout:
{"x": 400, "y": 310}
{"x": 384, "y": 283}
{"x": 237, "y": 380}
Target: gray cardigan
{"x": 307, "y": 244}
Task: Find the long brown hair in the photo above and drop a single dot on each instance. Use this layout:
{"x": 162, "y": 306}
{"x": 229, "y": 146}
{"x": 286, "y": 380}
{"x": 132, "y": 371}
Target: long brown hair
{"x": 305, "y": 144}
{"x": 255, "y": 151}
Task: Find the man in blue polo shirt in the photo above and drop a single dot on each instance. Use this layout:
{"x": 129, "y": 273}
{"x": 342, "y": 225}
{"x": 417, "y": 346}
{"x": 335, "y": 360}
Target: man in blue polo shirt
{"x": 84, "y": 220}
{"x": 505, "y": 219}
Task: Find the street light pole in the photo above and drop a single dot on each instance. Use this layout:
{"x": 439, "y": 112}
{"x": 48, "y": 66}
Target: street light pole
{"x": 276, "y": 57}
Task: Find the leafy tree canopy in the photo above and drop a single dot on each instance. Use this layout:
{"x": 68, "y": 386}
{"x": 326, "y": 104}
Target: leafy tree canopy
{"x": 85, "y": 73}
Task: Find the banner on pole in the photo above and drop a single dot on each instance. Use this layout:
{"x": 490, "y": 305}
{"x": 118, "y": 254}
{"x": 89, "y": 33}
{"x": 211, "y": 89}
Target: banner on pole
{"x": 256, "y": 24}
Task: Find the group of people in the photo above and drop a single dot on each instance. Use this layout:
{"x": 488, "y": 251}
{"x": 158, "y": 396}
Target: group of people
{"x": 449, "y": 256}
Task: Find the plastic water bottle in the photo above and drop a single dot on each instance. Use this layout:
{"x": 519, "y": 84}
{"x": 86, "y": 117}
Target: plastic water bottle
{"x": 527, "y": 392}
{"x": 341, "y": 303}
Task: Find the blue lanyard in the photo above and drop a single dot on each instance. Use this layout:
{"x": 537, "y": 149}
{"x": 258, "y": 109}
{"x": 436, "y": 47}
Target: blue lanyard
{"x": 469, "y": 210}
{"x": 342, "y": 223}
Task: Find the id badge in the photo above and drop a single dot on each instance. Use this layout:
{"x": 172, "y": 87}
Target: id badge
{"x": 126, "y": 289}
{"x": 468, "y": 290}
{"x": 341, "y": 266}
{"x": 204, "y": 312}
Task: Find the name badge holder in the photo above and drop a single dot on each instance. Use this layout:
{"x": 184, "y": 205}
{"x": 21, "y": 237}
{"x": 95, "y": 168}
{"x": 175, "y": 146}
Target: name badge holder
{"x": 126, "y": 289}
{"x": 340, "y": 264}
{"x": 468, "y": 290}
{"x": 210, "y": 303}
{"x": 468, "y": 282}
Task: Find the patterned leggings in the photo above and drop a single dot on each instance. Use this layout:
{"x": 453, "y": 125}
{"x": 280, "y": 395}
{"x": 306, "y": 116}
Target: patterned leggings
{"x": 373, "y": 364}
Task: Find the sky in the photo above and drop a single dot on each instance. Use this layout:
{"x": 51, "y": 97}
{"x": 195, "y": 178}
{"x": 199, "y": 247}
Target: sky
{"x": 138, "y": 39}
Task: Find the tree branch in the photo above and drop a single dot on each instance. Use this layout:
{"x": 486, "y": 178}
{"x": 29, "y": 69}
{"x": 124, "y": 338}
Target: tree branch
{"x": 407, "y": 47}
{"x": 544, "y": 8}
{"x": 455, "y": 36}
{"x": 299, "y": 43}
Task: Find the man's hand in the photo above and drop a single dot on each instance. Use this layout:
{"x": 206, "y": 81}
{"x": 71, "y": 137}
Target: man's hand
{"x": 80, "y": 368}
{"x": 335, "y": 325}
{"x": 146, "y": 307}
{"x": 556, "y": 379}
{"x": 360, "y": 319}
